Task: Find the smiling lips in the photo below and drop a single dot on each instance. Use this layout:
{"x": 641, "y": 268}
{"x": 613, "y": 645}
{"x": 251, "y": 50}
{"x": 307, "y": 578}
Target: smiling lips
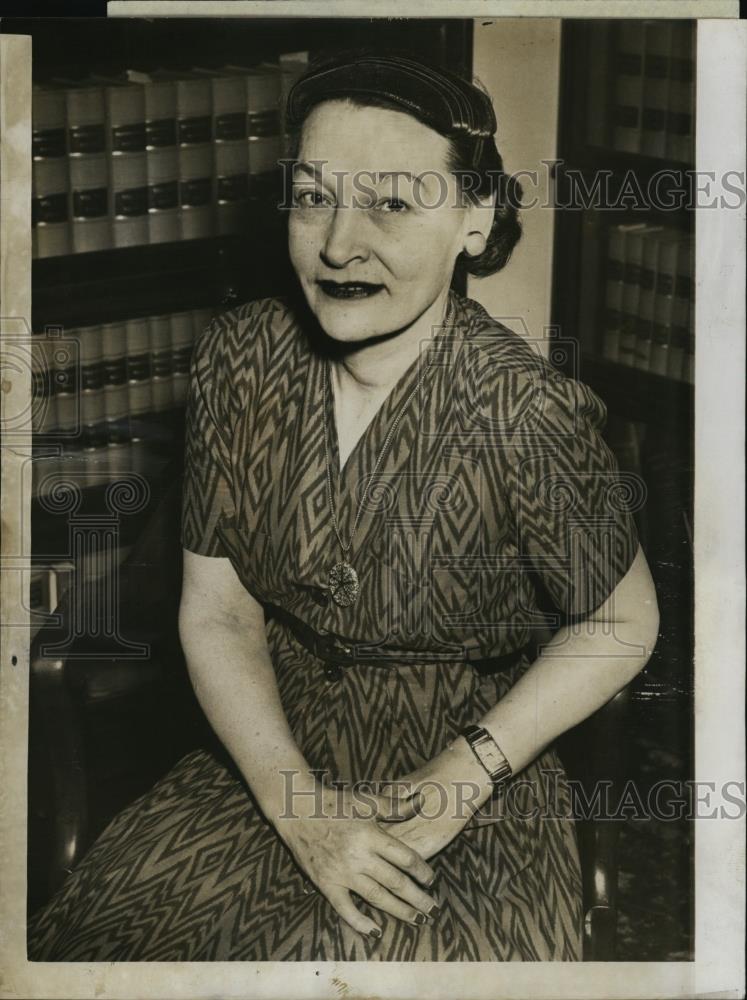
{"x": 349, "y": 289}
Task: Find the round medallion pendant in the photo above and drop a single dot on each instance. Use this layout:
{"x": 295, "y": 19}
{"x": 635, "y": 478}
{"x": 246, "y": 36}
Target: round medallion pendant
{"x": 343, "y": 584}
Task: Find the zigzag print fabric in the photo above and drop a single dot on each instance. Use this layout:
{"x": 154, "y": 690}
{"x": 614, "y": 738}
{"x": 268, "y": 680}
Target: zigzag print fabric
{"x": 497, "y": 486}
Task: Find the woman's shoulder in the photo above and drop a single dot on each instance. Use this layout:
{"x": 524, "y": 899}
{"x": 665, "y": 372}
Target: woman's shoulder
{"x": 242, "y": 343}
{"x": 527, "y": 390}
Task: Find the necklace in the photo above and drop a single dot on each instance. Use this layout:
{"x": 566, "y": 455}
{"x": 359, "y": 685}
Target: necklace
{"x": 343, "y": 582}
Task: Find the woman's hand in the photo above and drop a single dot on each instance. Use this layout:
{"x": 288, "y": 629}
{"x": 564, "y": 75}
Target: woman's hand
{"x": 342, "y": 847}
{"x": 452, "y": 786}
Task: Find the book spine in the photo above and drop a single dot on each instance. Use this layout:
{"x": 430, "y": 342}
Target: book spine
{"x": 162, "y": 161}
{"x": 125, "y": 109}
{"x": 614, "y": 286}
{"x": 631, "y": 293}
{"x": 89, "y": 176}
{"x": 139, "y": 391}
{"x": 656, "y": 86}
{"x": 92, "y": 408}
{"x": 665, "y": 291}
{"x": 159, "y": 345}
{"x": 264, "y": 141}
{"x": 292, "y": 66}
{"x": 194, "y": 132}
{"x": 50, "y": 205}
{"x": 680, "y": 117}
{"x": 645, "y": 325}
{"x": 182, "y": 339}
{"x": 230, "y": 154}
{"x": 116, "y": 409}
{"x": 628, "y": 87}
{"x": 50, "y": 208}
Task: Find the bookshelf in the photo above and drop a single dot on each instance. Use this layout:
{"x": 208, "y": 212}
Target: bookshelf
{"x": 623, "y": 287}
{"x": 107, "y": 253}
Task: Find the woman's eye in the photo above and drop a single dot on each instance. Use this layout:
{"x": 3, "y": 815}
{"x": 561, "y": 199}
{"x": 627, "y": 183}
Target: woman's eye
{"x": 392, "y": 205}
{"x": 310, "y": 199}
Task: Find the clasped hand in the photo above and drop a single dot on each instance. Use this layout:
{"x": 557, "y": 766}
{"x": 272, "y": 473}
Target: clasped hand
{"x": 378, "y": 846}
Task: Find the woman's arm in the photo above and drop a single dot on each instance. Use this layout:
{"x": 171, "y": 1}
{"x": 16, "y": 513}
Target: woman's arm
{"x": 581, "y": 669}
{"x": 222, "y": 631}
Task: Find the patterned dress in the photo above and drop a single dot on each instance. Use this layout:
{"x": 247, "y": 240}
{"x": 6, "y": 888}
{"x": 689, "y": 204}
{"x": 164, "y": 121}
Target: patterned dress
{"x": 496, "y": 487}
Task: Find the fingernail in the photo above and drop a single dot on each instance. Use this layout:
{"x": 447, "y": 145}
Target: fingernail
{"x": 375, "y": 932}
{"x": 434, "y": 910}
{"x": 432, "y": 881}
{"x": 419, "y": 918}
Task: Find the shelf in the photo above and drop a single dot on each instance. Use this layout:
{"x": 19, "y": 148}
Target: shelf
{"x": 639, "y": 395}
{"x": 670, "y": 203}
{"x": 110, "y": 285}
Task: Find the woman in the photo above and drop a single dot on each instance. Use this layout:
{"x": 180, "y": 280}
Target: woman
{"x": 379, "y": 485}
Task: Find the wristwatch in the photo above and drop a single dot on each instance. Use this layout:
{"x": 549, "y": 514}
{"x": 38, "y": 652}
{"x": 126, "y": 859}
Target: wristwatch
{"x": 488, "y": 753}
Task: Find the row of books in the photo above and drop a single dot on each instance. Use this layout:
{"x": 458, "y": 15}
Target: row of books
{"x": 156, "y": 157}
{"x": 649, "y": 300}
{"x": 94, "y": 385}
{"x": 642, "y": 101}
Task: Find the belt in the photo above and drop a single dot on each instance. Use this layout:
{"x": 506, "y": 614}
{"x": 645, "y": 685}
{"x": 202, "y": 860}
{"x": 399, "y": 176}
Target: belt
{"x": 338, "y": 652}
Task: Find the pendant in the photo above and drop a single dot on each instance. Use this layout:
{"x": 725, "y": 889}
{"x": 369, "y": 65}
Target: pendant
{"x": 343, "y": 584}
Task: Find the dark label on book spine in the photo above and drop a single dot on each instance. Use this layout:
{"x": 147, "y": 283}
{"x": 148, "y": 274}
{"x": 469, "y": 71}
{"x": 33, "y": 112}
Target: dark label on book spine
{"x": 629, "y": 63}
{"x": 234, "y": 188}
{"x": 163, "y": 196}
{"x": 115, "y": 371}
{"x": 614, "y": 269}
{"x": 161, "y": 364}
{"x": 92, "y": 376}
{"x": 656, "y": 67}
{"x": 138, "y": 367}
{"x": 626, "y": 116}
{"x": 160, "y": 132}
{"x": 87, "y": 138}
{"x": 684, "y": 286}
{"x": 678, "y": 124}
{"x": 128, "y": 138}
{"x": 195, "y": 192}
{"x": 231, "y": 126}
{"x": 192, "y": 130}
{"x": 181, "y": 360}
{"x": 133, "y": 201}
{"x": 47, "y": 143}
{"x": 632, "y": 273}
{"x": 664, "y": 283}
{"x": 89, "y": 204}
{"x": 654, "y": 119}
{"x": 647, "y": 279}
{"x": 52, "y": 208}
{"x": 262, "y": 123}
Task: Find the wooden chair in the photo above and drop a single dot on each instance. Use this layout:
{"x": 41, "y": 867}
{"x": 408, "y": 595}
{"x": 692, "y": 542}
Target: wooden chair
{"x": 100, "y": 717}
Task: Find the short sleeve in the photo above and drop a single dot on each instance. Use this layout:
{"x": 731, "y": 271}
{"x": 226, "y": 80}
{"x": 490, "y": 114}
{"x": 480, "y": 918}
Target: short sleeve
{"x": 572, "y": 506}
{"x": 207, "y": 495}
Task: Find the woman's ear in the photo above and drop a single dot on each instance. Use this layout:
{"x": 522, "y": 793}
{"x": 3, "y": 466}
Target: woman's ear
{"x": 478, "y": 223}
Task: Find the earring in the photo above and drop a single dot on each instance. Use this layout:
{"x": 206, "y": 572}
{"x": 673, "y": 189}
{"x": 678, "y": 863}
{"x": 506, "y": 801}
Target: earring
{"x": 475, "y": 244}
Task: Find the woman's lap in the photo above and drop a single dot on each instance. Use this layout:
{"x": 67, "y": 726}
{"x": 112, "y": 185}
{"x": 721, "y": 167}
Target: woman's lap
{"x": 193, "y": 871}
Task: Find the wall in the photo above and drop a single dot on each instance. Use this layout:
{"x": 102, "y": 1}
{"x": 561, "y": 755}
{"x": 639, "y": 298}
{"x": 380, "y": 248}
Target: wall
{"x": 518, "y": 61}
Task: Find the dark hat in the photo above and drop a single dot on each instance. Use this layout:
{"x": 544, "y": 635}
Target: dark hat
{"x": 437, "y": 97}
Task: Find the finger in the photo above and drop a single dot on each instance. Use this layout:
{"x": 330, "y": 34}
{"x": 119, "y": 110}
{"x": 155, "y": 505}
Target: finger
{"x": 406, "y": 859}
{"x": 403, "y": 886}
{"x": 343, "y": 903}
{"x": 383, "y": 899}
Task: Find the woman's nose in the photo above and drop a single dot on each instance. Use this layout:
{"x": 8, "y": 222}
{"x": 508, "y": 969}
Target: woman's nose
{"x": 345, "y": 237}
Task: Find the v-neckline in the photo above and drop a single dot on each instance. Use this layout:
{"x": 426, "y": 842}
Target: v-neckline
{"x": 387, "y": 408}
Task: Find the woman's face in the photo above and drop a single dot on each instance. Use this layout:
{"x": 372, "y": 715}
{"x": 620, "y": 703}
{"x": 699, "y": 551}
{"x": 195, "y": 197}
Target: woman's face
{"x": 375, "y": 228}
